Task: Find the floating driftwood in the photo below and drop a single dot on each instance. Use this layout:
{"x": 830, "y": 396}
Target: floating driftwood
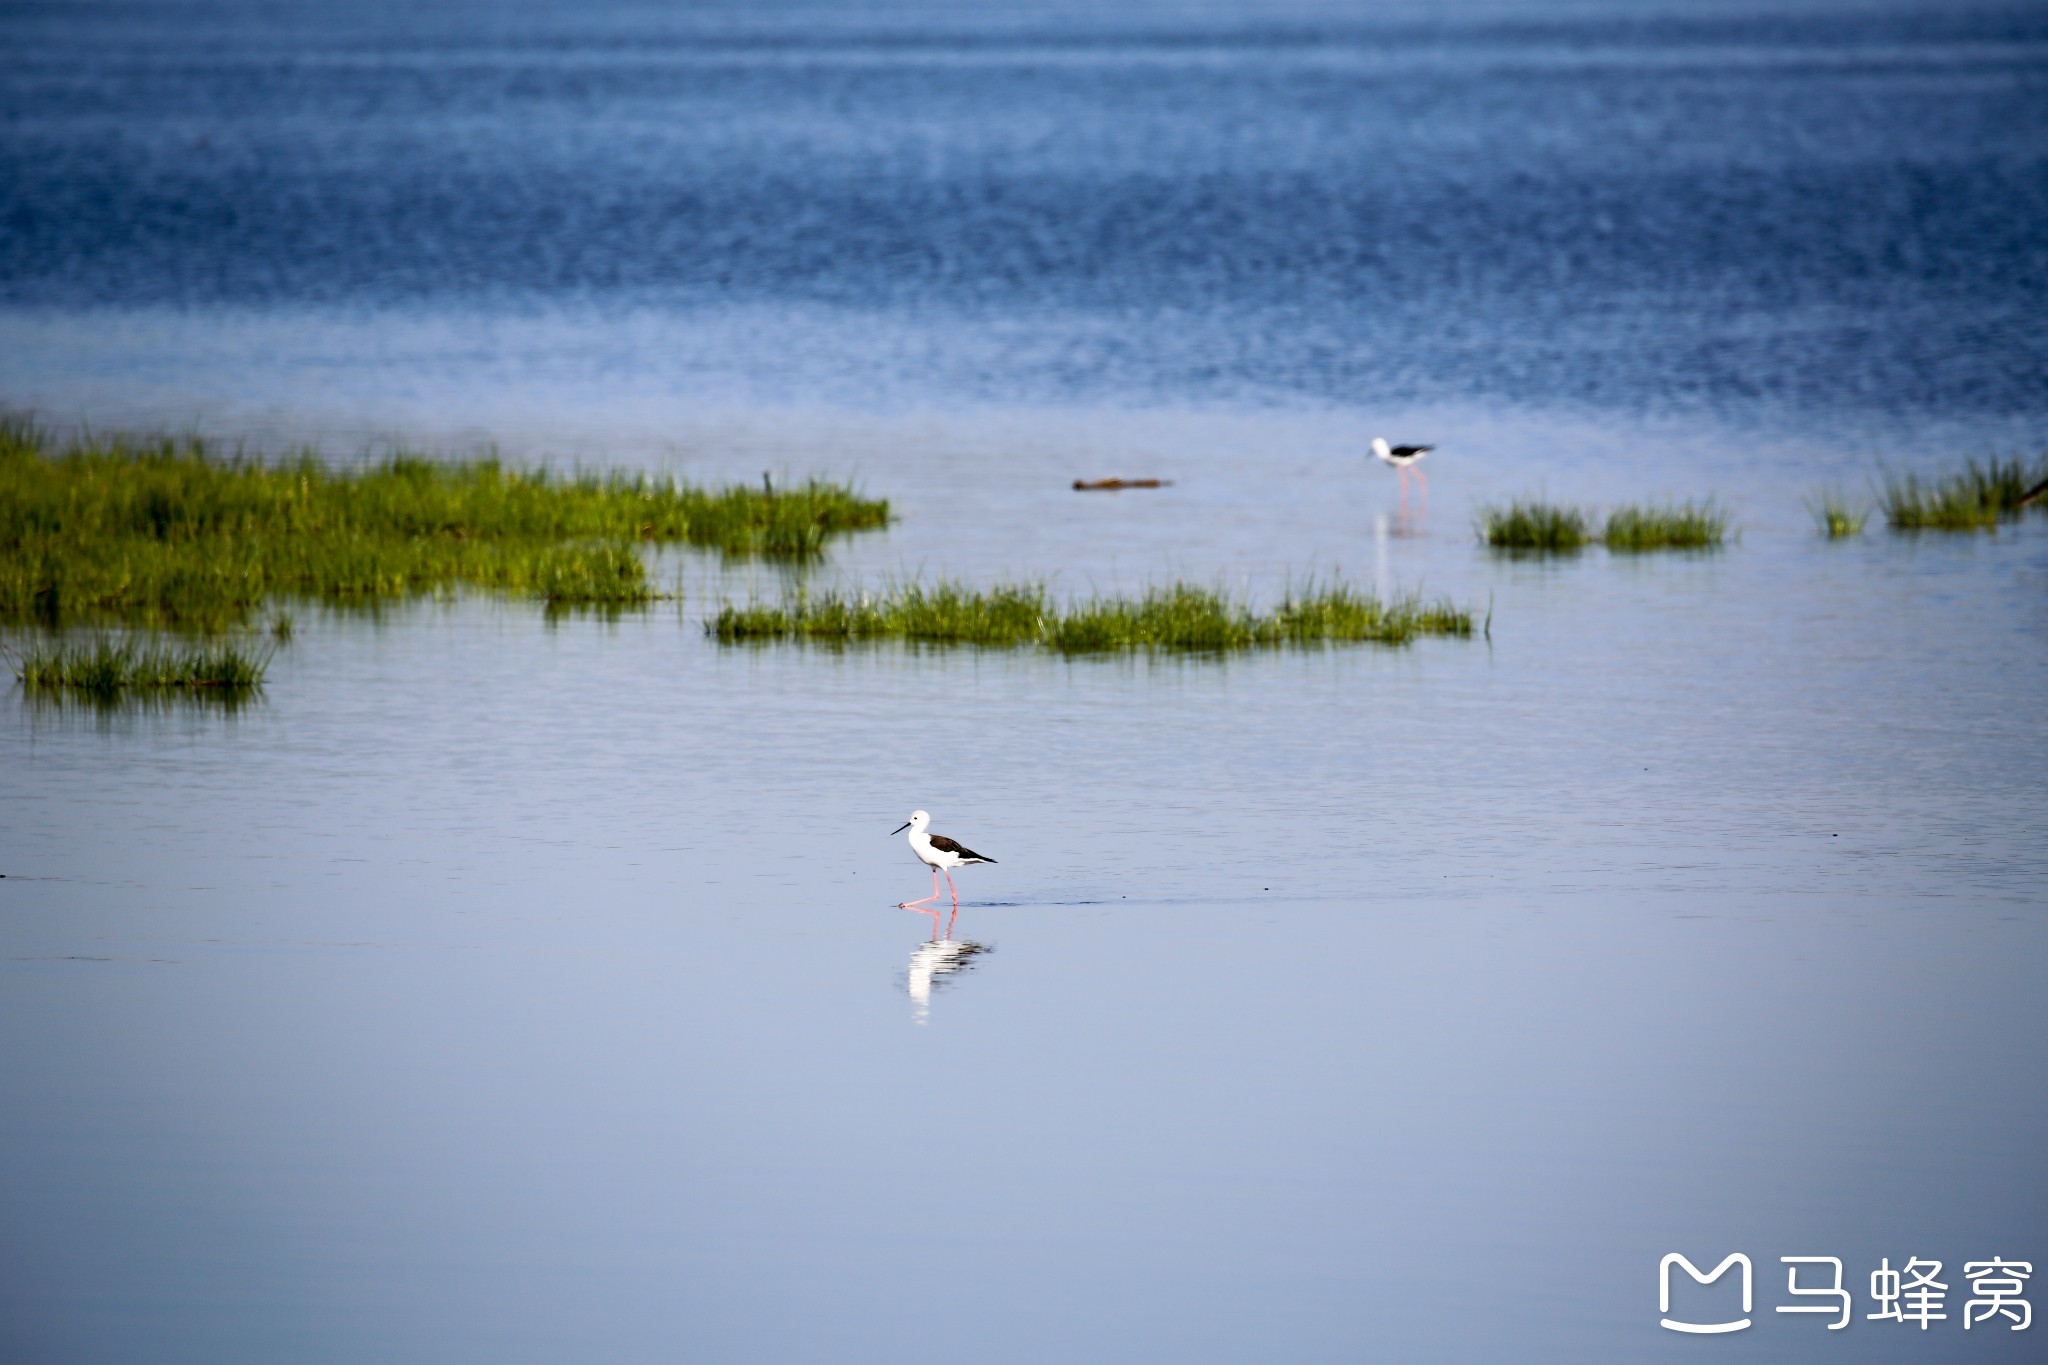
{"x": 1117, "y": 485}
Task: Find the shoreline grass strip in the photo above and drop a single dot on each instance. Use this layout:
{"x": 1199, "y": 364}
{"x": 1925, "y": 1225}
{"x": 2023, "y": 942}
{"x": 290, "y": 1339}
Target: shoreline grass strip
{"x": 175, "y": 534}
{"x": 1179, "y": 617}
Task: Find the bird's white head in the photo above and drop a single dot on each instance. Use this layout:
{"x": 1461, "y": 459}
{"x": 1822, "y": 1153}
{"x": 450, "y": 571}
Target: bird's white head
{"x": 1380, "y": 447}
{"x": 918, "y": 823}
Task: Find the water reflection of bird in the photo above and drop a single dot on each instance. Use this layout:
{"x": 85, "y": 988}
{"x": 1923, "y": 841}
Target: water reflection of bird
{"x": 938, "y": 853}
{"x": 941, "y": 957}
{"x": 1401, "y": 458}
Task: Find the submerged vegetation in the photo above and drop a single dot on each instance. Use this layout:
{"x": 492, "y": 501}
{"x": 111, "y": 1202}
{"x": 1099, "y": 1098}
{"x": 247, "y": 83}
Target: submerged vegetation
{"x": 1535, "y": 526}
{"x": 1551, "y": 528}
{"x": 1672, "y": 526}
{"x": 1974, "y": 498}
{"x": 1177, "y": 617}
{"x": 107, "y": 671}
{"x": 175, "y": 534}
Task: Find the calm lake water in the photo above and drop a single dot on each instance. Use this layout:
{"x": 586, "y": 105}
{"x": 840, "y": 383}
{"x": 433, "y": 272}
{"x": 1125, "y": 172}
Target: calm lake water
{"x": 498, "y": 988}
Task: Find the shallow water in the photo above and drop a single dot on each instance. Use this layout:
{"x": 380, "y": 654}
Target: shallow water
{"x": 506, "y": 988}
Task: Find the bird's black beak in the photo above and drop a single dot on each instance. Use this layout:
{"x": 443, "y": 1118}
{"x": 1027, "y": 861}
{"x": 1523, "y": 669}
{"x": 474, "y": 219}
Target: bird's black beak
{"x": 900, "y": 828}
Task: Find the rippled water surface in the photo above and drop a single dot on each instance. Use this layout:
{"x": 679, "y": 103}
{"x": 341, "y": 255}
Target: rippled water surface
{"x": 497, "y": 987}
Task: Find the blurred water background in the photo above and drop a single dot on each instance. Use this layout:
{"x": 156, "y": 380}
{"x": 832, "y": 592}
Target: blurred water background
{"x": 522, "y": 989}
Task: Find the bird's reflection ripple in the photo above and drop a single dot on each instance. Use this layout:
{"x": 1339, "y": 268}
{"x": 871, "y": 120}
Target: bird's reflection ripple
{"x": 937, "y": 958}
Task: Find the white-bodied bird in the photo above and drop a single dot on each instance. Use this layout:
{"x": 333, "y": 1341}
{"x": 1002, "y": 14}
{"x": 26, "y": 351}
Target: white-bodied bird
{"x": 1401, "y": 458}
{"x": 938, "y": 853}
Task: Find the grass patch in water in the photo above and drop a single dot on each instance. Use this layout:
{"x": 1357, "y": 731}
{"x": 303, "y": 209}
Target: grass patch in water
{"x": 104, "y": 670}
{"x": 1180, "y": 617}
{"x": 1836, "y": 515}
{"x": 1974, "y": 498}
{"x": 1671, "y": 526}
{"x": 170, "y": 533}
{"x": 1538, "y": 527}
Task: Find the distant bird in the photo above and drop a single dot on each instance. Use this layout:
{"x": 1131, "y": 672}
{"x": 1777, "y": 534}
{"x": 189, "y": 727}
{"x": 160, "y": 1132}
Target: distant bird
{"x": 1401, "y": 457}
{"x": 938, "y": 853}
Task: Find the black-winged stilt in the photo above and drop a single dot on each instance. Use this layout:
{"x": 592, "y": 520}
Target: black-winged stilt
{"x": 938, "y": 853}
{"x": 1401, "y": 457}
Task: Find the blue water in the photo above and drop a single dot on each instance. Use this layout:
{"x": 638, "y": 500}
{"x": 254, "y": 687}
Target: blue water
{"x": 524, "y": 989}
{"x": 1638, "y": 207}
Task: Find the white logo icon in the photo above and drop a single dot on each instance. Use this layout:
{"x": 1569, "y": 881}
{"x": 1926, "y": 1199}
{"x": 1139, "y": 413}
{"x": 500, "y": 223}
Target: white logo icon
{"x": 1707, "y": 1328}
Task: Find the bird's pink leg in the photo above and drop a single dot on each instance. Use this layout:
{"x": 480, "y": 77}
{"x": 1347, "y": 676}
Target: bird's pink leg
{"x": 1402, "y": 470}
{"x": 1423, "y": 479}
{"x": 912, "y": 905}
{"x": 953, "y": 889}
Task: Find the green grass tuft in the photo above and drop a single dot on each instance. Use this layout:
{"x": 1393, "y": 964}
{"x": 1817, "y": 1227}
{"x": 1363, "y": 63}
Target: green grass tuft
{"x": 106, "y": 671}
{"x": 1836, "y": 515}
{"x": 1179, "y": 618}
{"x": 1974, "y": 498}
{"x": 944, "y": 613}
{"x": 1672, "y": 526}
{"x": 1535, "y": 526}
{"x": 599, "y": 575}
{"x": 1528, "y": 526}
{"x": 175, "y": 534}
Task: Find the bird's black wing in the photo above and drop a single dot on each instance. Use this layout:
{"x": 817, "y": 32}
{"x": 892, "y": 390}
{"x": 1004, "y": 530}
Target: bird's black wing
{"x": 1413, "y": 450}
{"x": 946, "y": 844}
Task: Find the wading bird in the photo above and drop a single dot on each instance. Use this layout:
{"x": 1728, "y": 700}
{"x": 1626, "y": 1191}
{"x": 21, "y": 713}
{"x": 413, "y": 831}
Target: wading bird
{"x": 938, "y": 853}
{"x": 1401, "y": 457}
